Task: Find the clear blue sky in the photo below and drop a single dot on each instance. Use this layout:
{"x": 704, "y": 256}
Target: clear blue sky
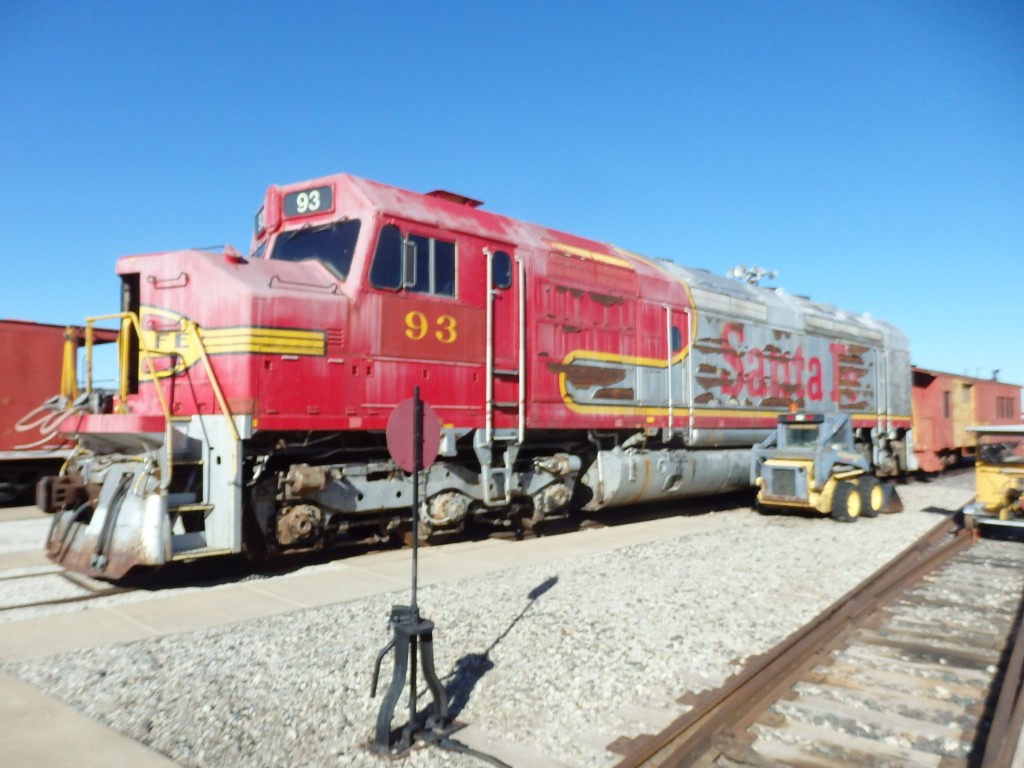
{"x": 870, "y": 152}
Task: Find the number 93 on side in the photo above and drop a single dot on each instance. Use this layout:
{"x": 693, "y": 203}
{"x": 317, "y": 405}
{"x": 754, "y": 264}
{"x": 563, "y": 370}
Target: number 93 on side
{"x": 443, "y": 327}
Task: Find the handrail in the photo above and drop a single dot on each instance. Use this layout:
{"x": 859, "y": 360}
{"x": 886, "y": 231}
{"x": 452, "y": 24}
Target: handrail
{"x": 691, "y": 337}
{"x": 69, "y": 366}
{"x": 192, "y": 329}
{"x": 668, "y": 368}
{"x": 130, "y": 318}
{"x": 489, "y": 350}
{"x": 522, "y": 349}
{"x": 126, "y": 318}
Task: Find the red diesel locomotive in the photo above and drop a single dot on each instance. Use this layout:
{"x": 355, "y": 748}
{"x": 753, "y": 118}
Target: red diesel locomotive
{"x": 568, "y": 374}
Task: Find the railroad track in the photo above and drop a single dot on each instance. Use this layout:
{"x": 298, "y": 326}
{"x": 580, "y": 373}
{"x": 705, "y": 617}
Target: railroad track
{"x": 918, "y": 666}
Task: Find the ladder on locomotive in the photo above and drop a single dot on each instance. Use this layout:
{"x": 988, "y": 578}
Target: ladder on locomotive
{"x": 505, "y": 384}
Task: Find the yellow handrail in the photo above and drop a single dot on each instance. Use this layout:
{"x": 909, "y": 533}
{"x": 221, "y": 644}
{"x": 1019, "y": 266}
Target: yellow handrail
{"x": 193, "y": 331}
{"x": 124, "y": 357}
{"x": 131, "y": 320}
{"x": 69, "y": 367}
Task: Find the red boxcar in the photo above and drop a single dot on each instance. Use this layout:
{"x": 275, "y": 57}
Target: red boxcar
{"x": 30, "y": 444}
{"x": 945, "y": 404}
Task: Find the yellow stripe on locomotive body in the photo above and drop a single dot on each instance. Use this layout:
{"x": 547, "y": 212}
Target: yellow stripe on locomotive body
{"x": 169, "y": 339}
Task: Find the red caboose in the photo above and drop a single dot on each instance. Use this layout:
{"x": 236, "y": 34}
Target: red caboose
{"x": 945, "y": 404}
{"x": 567, "y": 374}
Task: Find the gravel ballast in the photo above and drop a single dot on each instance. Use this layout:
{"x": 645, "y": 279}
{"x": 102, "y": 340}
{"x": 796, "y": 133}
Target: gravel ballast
{"x": 605, "y": 650}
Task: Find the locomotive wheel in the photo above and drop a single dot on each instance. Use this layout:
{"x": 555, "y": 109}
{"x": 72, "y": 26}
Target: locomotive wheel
{"x": 846, "y": 503}
{"x": 872, "y": 494}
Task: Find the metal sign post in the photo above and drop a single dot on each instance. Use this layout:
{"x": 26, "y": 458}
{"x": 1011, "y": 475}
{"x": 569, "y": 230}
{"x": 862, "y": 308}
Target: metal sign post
{"x": 412, "y": 634}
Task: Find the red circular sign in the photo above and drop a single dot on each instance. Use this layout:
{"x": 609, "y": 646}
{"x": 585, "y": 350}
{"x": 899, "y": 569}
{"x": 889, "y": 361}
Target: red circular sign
{"x": 401, "y": 435}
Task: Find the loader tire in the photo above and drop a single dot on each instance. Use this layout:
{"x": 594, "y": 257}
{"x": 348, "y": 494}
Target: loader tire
{"x": 872, "y": 494}
{"x": 847, "y": 503}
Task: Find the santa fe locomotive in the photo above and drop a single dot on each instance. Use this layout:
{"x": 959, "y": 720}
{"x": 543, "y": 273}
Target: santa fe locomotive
{"x": 568, "y": 374}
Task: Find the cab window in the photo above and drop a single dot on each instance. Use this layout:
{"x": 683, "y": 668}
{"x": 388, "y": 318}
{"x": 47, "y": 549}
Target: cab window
{"x": 418, "y": 263}
{"x": 435, "y": 266}
{"x": 386, "y": 270}
{"x": 331, "y": 244}
{"x": 801, "y": 435}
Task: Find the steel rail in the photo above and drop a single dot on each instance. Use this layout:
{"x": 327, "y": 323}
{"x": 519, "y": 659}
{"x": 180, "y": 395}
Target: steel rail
{"x": 1007, "y": 720}
{"x": 736, "y": 705}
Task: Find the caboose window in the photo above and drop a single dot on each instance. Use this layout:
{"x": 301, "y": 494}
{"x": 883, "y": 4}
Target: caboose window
{"x": 331, "y": 244}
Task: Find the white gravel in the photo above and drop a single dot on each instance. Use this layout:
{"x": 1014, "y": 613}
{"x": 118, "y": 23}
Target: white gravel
{"x": 615, "y": 639}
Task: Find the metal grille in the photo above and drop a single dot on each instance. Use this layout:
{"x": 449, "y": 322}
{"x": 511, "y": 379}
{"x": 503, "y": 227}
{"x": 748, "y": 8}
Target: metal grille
{"x": 782, "y": 482}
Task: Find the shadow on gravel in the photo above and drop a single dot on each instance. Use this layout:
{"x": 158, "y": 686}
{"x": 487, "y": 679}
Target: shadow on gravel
{"x": 473, "y": 666}
{"x": 939, "y": 511}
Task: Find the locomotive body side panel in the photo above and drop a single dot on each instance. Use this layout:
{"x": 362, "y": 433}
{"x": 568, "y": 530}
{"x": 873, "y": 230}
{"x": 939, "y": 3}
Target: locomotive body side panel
{"x": 568, "y": 374}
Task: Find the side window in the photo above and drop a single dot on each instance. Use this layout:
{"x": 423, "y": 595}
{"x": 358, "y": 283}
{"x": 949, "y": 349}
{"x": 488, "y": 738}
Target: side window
{"x": 433, "y": 262}
{"x": 677, "y": 339}
{"x": 386, "y": 270}
{"x": 444, "y": 268}
{"x": 501, "y": 265}
{"x": 435, "y": 266}
{"x": 422, "y": 284}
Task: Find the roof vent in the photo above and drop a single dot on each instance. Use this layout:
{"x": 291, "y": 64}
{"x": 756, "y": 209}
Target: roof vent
{"x": 451, "y": 197}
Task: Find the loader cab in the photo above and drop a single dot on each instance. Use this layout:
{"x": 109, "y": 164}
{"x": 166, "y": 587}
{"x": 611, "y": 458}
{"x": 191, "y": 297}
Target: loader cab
{"x": 799, "y": 430}
{"x": 807, "y": 431}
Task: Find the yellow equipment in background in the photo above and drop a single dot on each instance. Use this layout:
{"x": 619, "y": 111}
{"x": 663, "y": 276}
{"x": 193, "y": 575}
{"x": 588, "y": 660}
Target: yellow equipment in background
{"x": 999, "y": 477}
{"x": 811, "y": 462}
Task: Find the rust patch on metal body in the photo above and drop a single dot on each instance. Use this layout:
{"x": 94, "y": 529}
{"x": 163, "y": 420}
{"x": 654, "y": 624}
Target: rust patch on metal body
{"x": 73, "y": 546}
{"x": 605, "y": 300}
{"x": 615, "y": 393}
{"x": 583, "y": 375}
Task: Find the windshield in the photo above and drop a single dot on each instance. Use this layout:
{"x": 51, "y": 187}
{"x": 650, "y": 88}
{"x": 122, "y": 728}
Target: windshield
{"x": 1001, "y": 449}
{"x": 331, "y": 244}
{"x": 801, "y": 435}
